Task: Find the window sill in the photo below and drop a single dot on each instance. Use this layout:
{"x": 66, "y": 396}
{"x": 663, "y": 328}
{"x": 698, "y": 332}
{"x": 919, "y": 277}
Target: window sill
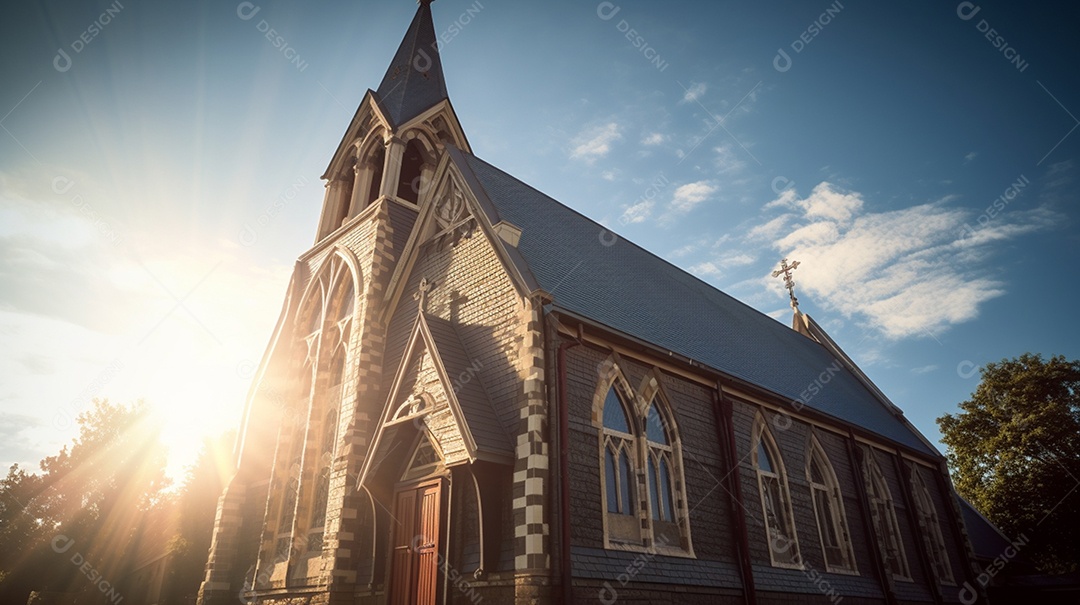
{"x": 666, "y": 551}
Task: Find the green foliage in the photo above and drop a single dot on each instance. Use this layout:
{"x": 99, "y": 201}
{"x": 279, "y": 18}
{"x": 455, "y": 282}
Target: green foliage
{"x": 93, "y": 493}
{"x": 197, "y": 506}
{"x": 1015, "y": 453}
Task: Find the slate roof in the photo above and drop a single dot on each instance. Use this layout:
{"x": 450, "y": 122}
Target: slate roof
{"x": 591, "y": 272}
{"x": 414, "y": 81}
{"x": 986, "y": 540}
{"x": 476, "y": 407}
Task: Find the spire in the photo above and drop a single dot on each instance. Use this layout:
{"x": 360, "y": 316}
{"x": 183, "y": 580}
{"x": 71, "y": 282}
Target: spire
{"x": 414, "y": 81}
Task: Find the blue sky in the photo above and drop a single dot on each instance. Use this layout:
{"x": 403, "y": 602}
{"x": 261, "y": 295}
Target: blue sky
{"x": 160, "y": 175}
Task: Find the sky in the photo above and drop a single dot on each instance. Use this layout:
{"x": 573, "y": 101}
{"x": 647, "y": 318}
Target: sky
{"x": 160, "y": 163}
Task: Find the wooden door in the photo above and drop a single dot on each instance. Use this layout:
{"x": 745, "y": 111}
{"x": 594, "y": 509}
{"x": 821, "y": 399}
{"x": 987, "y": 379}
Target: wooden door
{"x": 414, "y": 571}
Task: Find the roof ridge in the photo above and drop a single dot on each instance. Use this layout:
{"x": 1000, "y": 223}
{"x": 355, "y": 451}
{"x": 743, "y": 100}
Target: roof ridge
{"x": 681, "y": 271}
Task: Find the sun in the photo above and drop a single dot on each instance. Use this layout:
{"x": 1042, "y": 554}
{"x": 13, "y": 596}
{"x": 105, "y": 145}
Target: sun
{"x": 192, "y": 385}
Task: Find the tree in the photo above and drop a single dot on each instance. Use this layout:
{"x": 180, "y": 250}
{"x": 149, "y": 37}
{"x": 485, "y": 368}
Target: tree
{"x": 89, "y": 501}
{"x": 1015, "y": 453}
{"x": 197, "y": 507}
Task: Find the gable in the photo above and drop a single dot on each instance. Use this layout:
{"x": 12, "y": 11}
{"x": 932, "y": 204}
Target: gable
{"x": 457, "y": 414}
{"x": 458, "y": 209}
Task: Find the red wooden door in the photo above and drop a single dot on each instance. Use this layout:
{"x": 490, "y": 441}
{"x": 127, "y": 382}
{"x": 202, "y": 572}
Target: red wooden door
{"x": 415, "y": 565}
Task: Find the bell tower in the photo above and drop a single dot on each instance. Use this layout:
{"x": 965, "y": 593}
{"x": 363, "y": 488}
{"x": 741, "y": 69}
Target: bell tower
{"x": 293, "y": 523}
{"x": 397, "y": 136}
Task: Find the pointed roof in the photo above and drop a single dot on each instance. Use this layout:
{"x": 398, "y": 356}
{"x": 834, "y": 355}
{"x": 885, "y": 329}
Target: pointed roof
{"x": 414, "y": 81}
{"x": 593, "y": 274}
{"x": 484, "y": 438}
{"x": 986, "y": 539}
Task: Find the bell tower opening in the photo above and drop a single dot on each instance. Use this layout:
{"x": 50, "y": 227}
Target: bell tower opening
{"x": 412, "y": 164}
{"x": 342, "y": 213}
{"x": 378, "y": 158}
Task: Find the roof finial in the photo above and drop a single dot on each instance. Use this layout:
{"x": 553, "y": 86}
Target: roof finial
{"x": 422, "y": 292}
{"x": 789, "y": 283}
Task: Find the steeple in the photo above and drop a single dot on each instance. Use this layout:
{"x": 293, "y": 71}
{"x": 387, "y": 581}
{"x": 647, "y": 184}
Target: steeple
{"x": 414, "y": 81}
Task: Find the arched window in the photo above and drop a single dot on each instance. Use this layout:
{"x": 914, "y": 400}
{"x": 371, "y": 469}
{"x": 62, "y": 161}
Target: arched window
{"x": 660, "y": 463}
{"x": 288, "y": 489}
{"x": 412, "y": 164}
{"x": 775, "y": 499}
{"x": 341, "y": 330}
{"x": 308, "y": 437}
{"x": 829, "y": 510}
{"x": 322, "y": 481}
{"x": 883, "y": 515}
{"x": 930, "y": 527}
{"x": 620, "y": 472}
{"x": 641, "y": 468}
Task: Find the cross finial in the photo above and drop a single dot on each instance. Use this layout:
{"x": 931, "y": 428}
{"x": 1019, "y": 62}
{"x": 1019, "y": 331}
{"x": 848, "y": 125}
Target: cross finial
{"x": 422, "y": 291}
{"x": 789, "y": 283}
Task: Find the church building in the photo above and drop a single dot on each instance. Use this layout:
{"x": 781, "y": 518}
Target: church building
{"x": 476, "y": 394}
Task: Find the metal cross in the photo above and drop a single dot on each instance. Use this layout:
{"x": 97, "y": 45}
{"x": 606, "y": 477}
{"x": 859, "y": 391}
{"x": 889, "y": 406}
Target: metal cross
{"x": 785, "y": 270}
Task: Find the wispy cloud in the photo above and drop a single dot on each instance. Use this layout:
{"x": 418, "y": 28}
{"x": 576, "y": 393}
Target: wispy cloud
{"x": 637, "y": 213}
{"x": 652, "y": 139}
{"x": 706, "y": 269}
{"x": 729, "y": 159}
{"x": 906, "y": 272}
{"x": 691, "y": 194}
{"x": 694, "y": 92}
{"x": 595, "y": 143}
